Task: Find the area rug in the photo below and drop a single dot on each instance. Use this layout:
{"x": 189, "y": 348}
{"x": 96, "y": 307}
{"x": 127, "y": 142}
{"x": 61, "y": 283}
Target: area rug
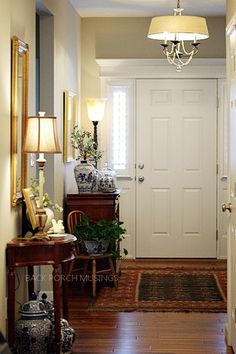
{"x": 179, "y": 290}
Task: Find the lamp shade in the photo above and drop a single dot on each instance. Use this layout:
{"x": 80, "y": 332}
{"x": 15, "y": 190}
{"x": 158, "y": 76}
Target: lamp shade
{"x": 41, "y": 135}
{"x": 186, "y": 28}
{"x": 96, "y": 108}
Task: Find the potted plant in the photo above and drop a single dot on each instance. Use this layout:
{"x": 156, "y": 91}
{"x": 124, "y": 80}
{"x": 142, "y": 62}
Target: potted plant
{"x": 85, "y": 173}
{"x": 82, "y": 141}
{"x": 100, "y": 235}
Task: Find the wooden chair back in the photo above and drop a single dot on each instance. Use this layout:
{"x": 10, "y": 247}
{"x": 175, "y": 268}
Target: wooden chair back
{"x": 73, "y": 218}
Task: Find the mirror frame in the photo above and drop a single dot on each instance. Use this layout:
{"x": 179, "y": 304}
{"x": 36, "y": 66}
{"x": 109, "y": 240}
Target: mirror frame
{"x": 18, "y": 173}
{"x": 69, "y": 117}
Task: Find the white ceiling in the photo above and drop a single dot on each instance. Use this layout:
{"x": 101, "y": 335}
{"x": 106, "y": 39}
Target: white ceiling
{"x": 133, "y": 8}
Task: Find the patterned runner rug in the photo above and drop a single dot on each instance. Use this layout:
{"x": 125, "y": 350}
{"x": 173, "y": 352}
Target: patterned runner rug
{"x": 179, "y": 290}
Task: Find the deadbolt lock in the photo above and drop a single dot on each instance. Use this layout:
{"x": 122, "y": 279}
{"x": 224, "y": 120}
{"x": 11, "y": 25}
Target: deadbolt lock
{"x": 227, "y": 206}
{"x": 141, "y": 166}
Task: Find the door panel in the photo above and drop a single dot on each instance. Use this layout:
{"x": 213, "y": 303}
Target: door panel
{"x": 176, "y": 143}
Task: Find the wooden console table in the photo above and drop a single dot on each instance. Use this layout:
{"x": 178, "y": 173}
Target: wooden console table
{"x": 28, "y": 253}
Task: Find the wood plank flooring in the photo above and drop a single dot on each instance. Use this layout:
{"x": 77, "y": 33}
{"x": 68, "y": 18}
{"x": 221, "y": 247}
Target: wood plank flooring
{"x": 145, "y": 332}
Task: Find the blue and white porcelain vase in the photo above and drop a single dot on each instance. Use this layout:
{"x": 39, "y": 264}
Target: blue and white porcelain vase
{"x": 107, "y": 180}
{"x": 85, "y": 174}
{"x": 33, "y": 329}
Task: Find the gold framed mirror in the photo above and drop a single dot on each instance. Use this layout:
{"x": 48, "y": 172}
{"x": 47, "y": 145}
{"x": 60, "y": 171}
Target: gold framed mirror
{"x": 19, "y": 112}
{"x": 69, "y": 113}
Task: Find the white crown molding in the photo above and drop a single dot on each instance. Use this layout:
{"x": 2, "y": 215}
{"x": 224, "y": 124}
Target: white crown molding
{"x": 160, "y": 68}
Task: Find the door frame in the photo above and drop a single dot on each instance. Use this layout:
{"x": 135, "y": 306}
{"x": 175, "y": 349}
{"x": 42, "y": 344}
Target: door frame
{"x": 125, "y": 69}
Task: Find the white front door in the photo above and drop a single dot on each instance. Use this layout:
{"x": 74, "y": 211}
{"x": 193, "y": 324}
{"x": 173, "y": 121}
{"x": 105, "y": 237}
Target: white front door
{"x": 176, "y": 167}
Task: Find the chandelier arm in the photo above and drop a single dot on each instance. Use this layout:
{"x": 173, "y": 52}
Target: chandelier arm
{"x": 194, "y": 50}
{"x": 172, "y": 49}
{"x": 186, "y": 62}
{"x": 177, "y": 61}
{"x": 170, "y": 59}
{"x": 165, "y": 49}
{"x": 178, "y": 49}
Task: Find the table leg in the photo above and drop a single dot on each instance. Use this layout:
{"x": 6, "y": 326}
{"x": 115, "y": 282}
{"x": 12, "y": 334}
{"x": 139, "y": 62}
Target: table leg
{"x": 11, "y": 306}
{"x": 86, "y": 262}
{"x": 30, "y": 281}
{"x": 65, "y": 274}
{"x": 113, "y": 272}
{"x": 57, "y": 307}
{"x": 94, "y": 272}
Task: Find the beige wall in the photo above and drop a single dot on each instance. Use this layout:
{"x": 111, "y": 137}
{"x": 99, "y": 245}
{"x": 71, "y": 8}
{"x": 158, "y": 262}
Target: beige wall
{"x": 230, "y": 9}
{"x": 66, "y": 77}
{"x": 127, "y": 38}
{"x": 16, "y": 18}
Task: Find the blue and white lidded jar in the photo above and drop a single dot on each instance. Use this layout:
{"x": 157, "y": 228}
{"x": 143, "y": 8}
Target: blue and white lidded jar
{"x": 107, "y": 180}
{"x": 33, "y": 329}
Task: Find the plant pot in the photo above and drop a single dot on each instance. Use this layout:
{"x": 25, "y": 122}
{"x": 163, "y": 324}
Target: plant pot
{"x": 84, "y": 175}
{"x": 96, "y": 248}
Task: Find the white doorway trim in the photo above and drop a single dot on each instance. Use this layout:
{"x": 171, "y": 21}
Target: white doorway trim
{"x": 123, "y": 69}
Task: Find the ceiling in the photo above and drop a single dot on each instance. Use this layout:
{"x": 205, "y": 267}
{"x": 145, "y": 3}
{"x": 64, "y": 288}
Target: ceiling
{"x": 142, "y": 8}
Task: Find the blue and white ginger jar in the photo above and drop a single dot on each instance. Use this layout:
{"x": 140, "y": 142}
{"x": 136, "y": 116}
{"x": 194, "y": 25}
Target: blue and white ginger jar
{"x": 85, "y": 175}
{"x": 107, "y": 180}
{"x": 33, "y": 329}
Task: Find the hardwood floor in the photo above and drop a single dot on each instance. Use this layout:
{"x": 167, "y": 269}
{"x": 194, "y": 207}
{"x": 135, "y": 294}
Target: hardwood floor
{"x": 145, "y": 332}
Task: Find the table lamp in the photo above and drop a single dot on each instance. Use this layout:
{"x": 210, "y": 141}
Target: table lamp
{"x": 96, "y": 110}
{"x": 41, "y": 137}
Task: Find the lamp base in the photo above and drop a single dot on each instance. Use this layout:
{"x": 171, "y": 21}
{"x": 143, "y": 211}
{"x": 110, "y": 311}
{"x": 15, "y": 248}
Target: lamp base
{"x": 42, "y": 217}
{"x": 40, "y": 237}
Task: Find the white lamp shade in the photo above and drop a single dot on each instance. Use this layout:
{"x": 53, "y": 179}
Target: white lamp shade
{"x": 41, "y": 135}
{"x": 186, "y": 28}
{"x": 96, "y": 108}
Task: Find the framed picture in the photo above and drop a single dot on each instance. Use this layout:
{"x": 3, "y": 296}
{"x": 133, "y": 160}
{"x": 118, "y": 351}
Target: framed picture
{"x": 69, "y": 116}
{"x": 31, "y": 206}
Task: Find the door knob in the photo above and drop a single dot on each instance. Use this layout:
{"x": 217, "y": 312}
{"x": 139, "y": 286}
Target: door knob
{"x": 141, "y": 179}
{"x": 227, "y": 206}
